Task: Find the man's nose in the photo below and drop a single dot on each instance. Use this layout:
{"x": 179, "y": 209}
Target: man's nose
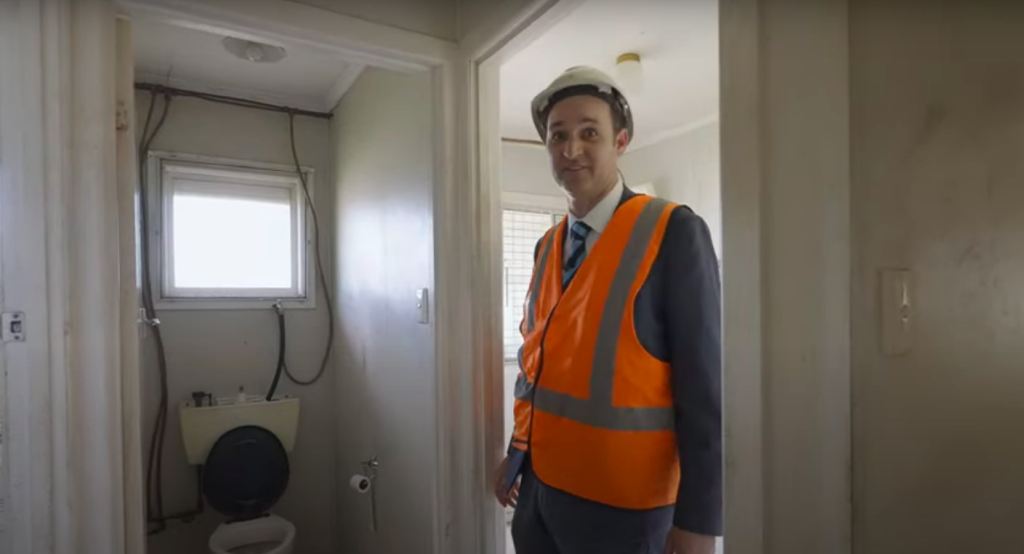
{"x": 573, "y": 149}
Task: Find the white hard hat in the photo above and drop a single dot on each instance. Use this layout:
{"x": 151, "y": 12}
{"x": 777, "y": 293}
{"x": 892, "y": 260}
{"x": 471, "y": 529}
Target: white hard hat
{"x": 580, "y": 76}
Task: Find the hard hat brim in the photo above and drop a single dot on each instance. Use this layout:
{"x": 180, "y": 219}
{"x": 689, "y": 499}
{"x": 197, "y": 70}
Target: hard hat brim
{"x": 603, "y": 85}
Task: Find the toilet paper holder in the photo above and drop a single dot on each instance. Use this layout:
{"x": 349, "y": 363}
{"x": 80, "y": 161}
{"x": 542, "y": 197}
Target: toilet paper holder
{"x": 370, "y": 468}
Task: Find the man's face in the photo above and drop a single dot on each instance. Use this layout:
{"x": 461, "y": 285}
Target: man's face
{"x": 584, "y": 146}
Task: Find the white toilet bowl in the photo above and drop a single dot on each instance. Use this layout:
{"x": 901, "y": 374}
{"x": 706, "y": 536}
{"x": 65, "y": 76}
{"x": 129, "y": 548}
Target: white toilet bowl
{"x": 265, "y": 535}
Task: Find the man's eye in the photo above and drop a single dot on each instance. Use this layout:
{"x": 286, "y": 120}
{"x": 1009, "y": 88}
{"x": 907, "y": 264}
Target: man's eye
{"x": 558, "y": 136}
{"x": 590, "y": 133}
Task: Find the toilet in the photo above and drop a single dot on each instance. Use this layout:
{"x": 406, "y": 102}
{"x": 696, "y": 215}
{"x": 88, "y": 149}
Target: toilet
{"x": 243, "y": 448}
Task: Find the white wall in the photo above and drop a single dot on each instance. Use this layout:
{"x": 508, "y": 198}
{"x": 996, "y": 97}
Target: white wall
{"x": 938, "y": 127}
{"x": 219, "y": 351}
{"x": 527, "y": 169}
{"x": 435, "y": 18}
{"x": 685, "y": 170}
{"x": 383, "y": 133}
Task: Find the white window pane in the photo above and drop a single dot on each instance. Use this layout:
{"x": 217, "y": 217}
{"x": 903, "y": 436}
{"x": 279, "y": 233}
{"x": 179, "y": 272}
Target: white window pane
{"x": 231, "y": 243}
{"x": 520, "y": 232}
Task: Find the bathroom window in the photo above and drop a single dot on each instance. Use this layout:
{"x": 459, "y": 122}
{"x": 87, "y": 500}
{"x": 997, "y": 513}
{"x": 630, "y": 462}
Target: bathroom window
{"x": 230, "y": 234}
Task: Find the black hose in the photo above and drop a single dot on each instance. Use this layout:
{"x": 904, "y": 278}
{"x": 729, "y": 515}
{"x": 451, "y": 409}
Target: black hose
{"x": 154, "y": 466}
{"x": 280, "y": 352}
{"x": 230, "y": 100}
{"x": 142, "y": 185}
{"x": 169, "y": 92}
{"x": 324, "y": 289}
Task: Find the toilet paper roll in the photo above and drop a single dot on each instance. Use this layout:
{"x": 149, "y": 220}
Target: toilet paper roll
{"x": 360, "y": 483}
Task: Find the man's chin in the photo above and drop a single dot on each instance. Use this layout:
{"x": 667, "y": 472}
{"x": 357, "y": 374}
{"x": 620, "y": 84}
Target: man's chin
{"x": 576, "y": 184}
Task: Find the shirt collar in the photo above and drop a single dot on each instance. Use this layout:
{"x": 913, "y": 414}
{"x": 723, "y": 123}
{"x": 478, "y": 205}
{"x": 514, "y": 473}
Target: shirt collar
{"x": 599, "y": 216}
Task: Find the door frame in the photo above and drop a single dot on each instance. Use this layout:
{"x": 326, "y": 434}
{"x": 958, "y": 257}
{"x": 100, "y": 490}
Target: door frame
{"x": 42, "y": 514}
{"x": 467, "y": 255}
{"x": 385, "y": 47}
{"x": 741, "y": 163}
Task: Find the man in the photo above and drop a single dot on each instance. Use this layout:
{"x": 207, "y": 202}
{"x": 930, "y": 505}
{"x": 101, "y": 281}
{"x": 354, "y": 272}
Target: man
{"x": 617, "y": 445}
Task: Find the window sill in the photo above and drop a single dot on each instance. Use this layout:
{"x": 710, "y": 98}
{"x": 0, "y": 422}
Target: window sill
{"x": 176, "y": 304}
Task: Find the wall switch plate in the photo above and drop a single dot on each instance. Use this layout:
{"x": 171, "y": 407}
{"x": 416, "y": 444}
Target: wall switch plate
{"x": 897, "y": 312}
{"x": 423, "y": 305}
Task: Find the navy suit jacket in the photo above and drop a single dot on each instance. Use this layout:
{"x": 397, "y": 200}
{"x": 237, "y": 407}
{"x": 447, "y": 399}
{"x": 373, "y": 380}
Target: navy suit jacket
{"x": 678, "y": 320}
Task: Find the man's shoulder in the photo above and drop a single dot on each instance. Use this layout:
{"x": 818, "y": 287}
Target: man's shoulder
{"x": 682, "y": 212}
{"x": 684, "y": 223}
{"x": 687, "y": 236}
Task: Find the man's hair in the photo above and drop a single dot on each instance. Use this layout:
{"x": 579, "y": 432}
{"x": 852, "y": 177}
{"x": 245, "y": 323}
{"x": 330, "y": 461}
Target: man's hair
{"x": 614, "y": 101}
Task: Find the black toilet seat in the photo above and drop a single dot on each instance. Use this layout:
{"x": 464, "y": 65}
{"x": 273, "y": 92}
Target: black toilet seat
{"x": 245, "y": 473}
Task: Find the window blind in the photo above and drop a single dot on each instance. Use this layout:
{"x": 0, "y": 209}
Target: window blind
{"x": 521, "y": 230}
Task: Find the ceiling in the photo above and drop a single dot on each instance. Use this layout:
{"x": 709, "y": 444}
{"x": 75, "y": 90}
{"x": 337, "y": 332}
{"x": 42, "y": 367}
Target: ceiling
{"x": 434, "y": 18}
{"x": 677, "y": 41}
{"x": 194, "y": 59}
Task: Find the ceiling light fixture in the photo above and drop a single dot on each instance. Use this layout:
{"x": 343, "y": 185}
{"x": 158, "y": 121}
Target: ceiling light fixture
{"x": 630, "y": 72}
{"x": 256, "y": 52}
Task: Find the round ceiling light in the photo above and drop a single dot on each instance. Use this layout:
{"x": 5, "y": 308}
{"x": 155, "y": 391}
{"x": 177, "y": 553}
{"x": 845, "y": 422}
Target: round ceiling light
{"x": 253, "y": 51}
{"x": 630, "y": 72}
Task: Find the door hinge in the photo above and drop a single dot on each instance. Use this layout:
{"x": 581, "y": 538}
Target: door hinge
{"x": 13, "y": 327}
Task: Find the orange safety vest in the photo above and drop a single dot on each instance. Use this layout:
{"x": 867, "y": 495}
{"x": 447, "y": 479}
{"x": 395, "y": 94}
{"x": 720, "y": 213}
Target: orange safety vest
{"x": 593, "y": 408}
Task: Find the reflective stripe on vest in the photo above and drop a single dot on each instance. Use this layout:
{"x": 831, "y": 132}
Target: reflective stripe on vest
{"x": 598, "y": 410}
{"x": 523, "y": 388}
{"x": 542, "y": 264}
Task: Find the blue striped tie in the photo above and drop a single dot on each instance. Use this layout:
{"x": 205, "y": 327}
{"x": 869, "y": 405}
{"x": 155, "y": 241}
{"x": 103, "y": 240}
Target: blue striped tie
{"x": 577, "y": 252}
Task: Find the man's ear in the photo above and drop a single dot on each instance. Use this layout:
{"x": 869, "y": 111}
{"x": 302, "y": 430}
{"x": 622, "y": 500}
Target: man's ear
{"x": 621, "y": 141}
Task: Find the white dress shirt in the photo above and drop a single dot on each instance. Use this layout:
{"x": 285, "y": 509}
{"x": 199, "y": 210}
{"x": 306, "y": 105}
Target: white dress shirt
{"x": 597, "y": 219}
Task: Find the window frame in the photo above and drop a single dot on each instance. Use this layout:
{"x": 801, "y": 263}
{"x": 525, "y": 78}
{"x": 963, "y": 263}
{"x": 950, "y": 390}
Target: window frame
{"x": 525, "y": 202}
{"x": 160, "y": 210}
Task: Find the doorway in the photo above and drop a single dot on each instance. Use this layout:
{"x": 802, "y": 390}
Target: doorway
{"x": 674, "y": 154}
{"x": 269, "y": 201}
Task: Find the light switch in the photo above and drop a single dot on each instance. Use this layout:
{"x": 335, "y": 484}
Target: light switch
{"x": 423, "y": 305}
{"x": 897, "y": 312}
